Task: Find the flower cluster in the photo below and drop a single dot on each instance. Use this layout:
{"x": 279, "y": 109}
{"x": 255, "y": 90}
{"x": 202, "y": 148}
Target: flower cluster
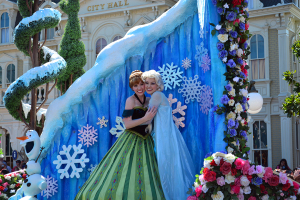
{"x": 225, "y": 176}
{"x": 10, "y": 183}
{"x": 233, "y": 51}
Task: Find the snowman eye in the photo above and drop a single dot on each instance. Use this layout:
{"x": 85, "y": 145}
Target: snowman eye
{"x": 29, "y": 135}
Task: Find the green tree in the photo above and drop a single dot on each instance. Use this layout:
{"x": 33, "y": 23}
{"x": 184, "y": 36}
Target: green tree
{"x": 71, "y": 48}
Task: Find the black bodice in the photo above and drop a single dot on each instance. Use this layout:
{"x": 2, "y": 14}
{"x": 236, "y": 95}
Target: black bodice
{"x": 137, "y": 113}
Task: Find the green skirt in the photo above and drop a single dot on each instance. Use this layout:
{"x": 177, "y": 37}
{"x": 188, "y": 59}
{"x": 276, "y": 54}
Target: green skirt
{"x": 127, "y": 172}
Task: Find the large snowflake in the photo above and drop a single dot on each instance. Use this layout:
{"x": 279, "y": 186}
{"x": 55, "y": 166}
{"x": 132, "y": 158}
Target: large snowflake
{"x": 87, "y": 135}
{"x": 191, "y": 89}
{"x": 52, "y": 187}
{"x": 205, "y": 63}
{"x": 120, "y": 127}
{"x": 71, "y": 161}
{"x": 206, "y": 99}
{"x": 186, "y": 63}
{"x": 171, "y": 75}
{"x": 201, "y": 51}
{"x": 102, "y": 122}
{"x": 179, "y": 109}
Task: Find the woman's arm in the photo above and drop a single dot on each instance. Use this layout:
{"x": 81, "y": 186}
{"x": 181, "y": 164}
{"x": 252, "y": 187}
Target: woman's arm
{"x": 129, "y": 122}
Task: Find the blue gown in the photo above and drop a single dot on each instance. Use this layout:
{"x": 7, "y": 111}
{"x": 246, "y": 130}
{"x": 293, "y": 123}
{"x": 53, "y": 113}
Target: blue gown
{"x": 175, "y": 164}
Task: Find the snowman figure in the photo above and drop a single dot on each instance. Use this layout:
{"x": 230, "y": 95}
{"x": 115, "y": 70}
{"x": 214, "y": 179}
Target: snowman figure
{"x": 35, "y": 183}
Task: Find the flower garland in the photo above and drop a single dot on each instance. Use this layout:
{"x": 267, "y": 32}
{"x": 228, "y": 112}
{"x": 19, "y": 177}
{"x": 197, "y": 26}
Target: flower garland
{"x": 10, "y": 183}
{"x": 233, "y": 51}
{"x": 226, "y": 176}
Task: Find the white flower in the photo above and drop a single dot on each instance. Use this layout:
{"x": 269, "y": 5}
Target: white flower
{"x": 229, "y": 178}
{"x": 218, "y": 196}
{"x": 238, "y": 108}
{"x": 232, "y": 92}
{"x": 201, "y": 179}
{"x": 217, "y": 160}
{"x": 230, "y": 158}
{"x": 223, "y": 37}
{"x": 298, "y": 191}
{"x": 233, "y": 46}
{"x": 244, "y": 181}
{"x": 226, "y": 5}
{"x": 261, "y": 172}
{"x": 218, "y": 154}
{"x": 196, "y": 184}
{"x": 20, "y": 182}
{"x": 234, "y": 143}
{"x": 231, "y": 115}
{"x": 244, "y": 92}
{"x": 218, "y": 27}
{"x": 204, "y": 188}
{"x": 13, "y": 175}
{"x": 239, "y": 52}
{"x": 236, "y": 79}
{"x": 242, "y": 18}
{"x": 239, "y": 117}
{"x": 13, "y": 191}
{"x": 265, "y": 197}
{"x": 12, "y": 186}
{"x": 224, "y": 59}
{"x": 229, "y": 149}
{"x": 292, "y": 198}
{"x": 243, "y": 122}
{"x": 207, "y": 164}
{"x": 8, "y": 178}
{"x": 231, "y": 102}
{"x": 247, "y": 190}
{"x": 291, "y": 182}
{"x": 228, "y": 28}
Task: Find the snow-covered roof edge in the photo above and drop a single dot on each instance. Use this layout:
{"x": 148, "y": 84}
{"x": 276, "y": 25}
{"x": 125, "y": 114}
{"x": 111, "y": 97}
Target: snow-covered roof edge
{"x": 133, "y": 43}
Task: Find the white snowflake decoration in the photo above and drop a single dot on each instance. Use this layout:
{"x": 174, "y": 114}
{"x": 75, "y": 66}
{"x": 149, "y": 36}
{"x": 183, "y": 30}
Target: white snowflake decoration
{"x": 206, "y": 99}
{"x": 102, "y": 122}
{"x": 52, "y": 187}
{"x": 205, "y": 63}
{"x": 179, "y": 109}
{"x": 92, "y": 168}
{"x": 186, "y": 63}
{"x": 201, "y": 32}
{"x": 201, "y": 51}
{"x": 71, "y": 161}
{"x": 191, "y": 89}
{"x": 87, "y": 135}
{"x": 171, "y": 75}
{"x": 120, "y": 127}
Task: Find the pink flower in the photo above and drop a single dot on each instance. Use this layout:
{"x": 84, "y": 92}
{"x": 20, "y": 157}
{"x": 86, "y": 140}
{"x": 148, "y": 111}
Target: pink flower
{"x": 246, "y": 167}
{"x": 239, "y": 163}
{"x": 296, "y": 186}
{"x": 282, "y": 178}
{"x": 246, "y": 26}
{"x": 237, "y": 181}
{"x": 237, "y": 20}
{"x": 5, "y": 184}
{"x": 252, "y": 198}
{"x": 198, "y": 190}
{"x": 221, "y": 181}
{"x": 240, "y": 197}
{"x": 192, "y": 198}
{"x": 252, "y": 170}
{"x": 268, "y": 173}
{"x": 281, "y": 194}
{"x": 0, "y": 180}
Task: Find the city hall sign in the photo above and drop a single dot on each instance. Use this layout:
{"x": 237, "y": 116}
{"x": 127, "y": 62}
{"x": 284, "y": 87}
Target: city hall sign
{"x": 108, "y": 5}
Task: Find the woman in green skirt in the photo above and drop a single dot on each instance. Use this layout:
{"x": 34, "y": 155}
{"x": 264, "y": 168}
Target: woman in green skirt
{"x": 129, "y": 169}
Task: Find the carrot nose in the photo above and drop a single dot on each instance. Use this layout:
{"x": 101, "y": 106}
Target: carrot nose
{"x": 23, "y": 138}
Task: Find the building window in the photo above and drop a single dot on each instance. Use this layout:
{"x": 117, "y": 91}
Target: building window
{"x": 260, "y": 143}
{"x": 250, "y": 5}
{"x": 117, "y": 38}
{"x": 50, "y": 33}
{"x": 0, "y": 75}
{"x": 4, "y": 28}
{"x": 257, "y": 57}
{"x": 10, "y": 75}
{"x": 101, "y": 43}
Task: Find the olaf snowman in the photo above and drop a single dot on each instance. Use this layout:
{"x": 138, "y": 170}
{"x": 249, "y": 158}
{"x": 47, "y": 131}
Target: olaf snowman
{"x": 35, "y": 183}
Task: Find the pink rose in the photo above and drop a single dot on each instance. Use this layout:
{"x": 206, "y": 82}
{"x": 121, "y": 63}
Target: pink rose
{"x": 240, "y": 197}
{"x": 296, "y": 185}
{"x": 221, "y": 181}
{"x": 252, "y": 170}
{"x": 237, "y": 181}
{"x": 225, "y": 168}
{"x": 239, "y": 163}
{"x": 246, "y": 167}
{"x": 235, "y": 189}
{"x": 5, "y": 184}
{"x": 252, "y": 198}
{"x": 192, "y": 198}
{"x": 198, "y": 190}
{"x": 259, "y": 169}
{"x": 282, "y": 178}
{"x": 237, "y": 20}
{"x": 0, "y": 180}
{"x": 268, "y": 173}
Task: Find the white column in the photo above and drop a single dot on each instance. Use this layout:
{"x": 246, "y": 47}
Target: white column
{"x": 12, "y": 13}
{"x": 286, "y": 140}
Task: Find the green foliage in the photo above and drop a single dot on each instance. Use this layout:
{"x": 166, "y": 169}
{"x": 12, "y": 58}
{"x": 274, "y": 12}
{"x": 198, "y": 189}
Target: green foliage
{"x": 71, "y": 48}
{"x": 291, "y": 105}
{"x": 23, "y": 7}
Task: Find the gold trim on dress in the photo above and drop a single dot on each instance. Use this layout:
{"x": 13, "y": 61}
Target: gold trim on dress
{"x": 137, "y": 107}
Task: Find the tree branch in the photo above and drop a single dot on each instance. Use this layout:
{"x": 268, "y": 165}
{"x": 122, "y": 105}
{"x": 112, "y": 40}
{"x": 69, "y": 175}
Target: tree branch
{"x": 29, "y": 51}
{"x": 29, "y": 7}
{"x": 44, "y": 41}
{"x": 53, "y": 86}
{"x": 20, "y": 114}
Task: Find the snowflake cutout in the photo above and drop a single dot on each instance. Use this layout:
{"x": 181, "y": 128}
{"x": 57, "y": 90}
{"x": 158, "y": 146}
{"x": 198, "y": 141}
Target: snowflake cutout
{"x": 87, "y": 135}
{"x": 120, "y": 127}
{"x": 171, "y": 75}
{"x": 186, "y": 63}
{"x": 201, "y": 32}
{"x": 205, "y": 63}
{"x": 71, "y": 161}
{"x": 102, "y": 122}
{"x": 52, "y": 187}
{"x": 191, "y": 89}
{"x": 179, "y": 109}
{"x": 201, "y": 51}
{"x": 92, "y": 168}
{"x": 206, "y": 99}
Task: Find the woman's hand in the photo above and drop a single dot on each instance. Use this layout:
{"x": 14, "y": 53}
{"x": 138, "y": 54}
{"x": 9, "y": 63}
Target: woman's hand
{"x": 151, "y": 112}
